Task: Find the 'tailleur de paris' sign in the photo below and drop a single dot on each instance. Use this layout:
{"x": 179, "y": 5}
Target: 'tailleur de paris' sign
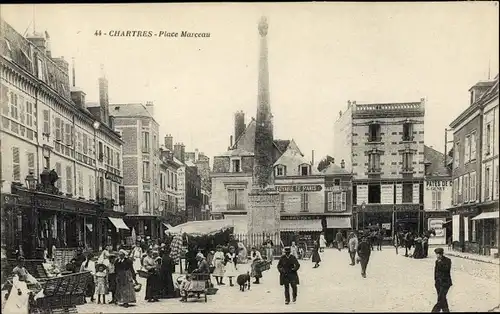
{"x": 299, "y": 188}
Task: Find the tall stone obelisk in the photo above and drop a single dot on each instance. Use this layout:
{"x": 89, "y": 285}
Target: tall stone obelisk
{"x": 263, "y": 213}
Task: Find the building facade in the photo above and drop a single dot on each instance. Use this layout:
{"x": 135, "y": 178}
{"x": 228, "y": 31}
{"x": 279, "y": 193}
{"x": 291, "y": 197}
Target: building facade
{"x": 437, "y": 195}
{"x": 141, "y": 157}
{"x": 386, "y": 156}
{"x": 475, "y": 201}
{"x": 47, "y": 132}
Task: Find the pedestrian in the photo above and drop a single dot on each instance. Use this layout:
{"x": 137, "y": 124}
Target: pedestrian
{"x": 89, "y": 265}
{"x": 268, "y": 244}
{"x": 125, "y": 279}
{"x": 322, "y": 242}
{"x": 218, "y": 262}
{"x": 230, "y": 264}
{"x": 352, "y": 247}
{"x": 288, "y": 266}
{"x": 316, "y": 259}
{"x": 380, "y": 237}
{"x": 442, "y": 280}
{"x": 136, "y": 256}
{"x": 153, "y": 284}
{"x": 112, "y": 278}
{"x": 339, "y": 240}
{"x": 166, "y": 270}
{"x": 242, "y": 253}
{"x": 256, "y": 259}
{"x": 364, "y": 252}
{"x": 425, "y": 243}
{"x": 101, "y": 283}
{"x": 294, "y": 250}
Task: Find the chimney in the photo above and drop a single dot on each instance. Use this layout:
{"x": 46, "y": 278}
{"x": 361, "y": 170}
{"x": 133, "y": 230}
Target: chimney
{"x": 150, "y": 108}
{"x": 78, "y": 97}
{"x": 169, "y": 141}
{"x": 39, "y": 41}
{"x": 47, "y": 45}
{"x": 230, "y": 141}
{"x": 103, "y": 97}
{"x": 177, "y": 151}
{"x": 196, "y": 154}
{"x": 342, "y": 164}
{"x": 183, "y": 152}
{"x": 312, "y": 157}
{"x": 239, "y": 124}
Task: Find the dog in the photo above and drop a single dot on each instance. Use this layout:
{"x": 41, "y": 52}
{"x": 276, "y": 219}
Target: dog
{"x": 244, "y": 281}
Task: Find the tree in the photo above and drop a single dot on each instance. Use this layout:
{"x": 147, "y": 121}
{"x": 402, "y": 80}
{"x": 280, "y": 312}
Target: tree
{"x": 325, "y": 162}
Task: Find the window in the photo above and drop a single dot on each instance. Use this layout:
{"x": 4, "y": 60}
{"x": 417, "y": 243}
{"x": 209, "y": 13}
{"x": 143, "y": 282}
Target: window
{"x": 145, "y": 171}
{"x": 236, "y": 165}
{"x": 304, "y": 202}
{"x": 101, "y": 151}
{"x": 408, "y": 193}
{"x": 147, "y": 201}
{"x": 235, "y": 199}
{"x": 473, "y": 146}
{"x": 59, "y": 173}
{"x": 118, "y": 160}
{"x": 374, "y": 133}
{"x": 456, "y": 153}
{"x": 467, "y": 149}
{"x": 280, "y": 170}
{"x": 455, "y": 191}
{"x": 472, "y": 186}
{"x": 337, "y": 201}
{"x": 80, "y": 183}
{"x": 58, "y": 128}
{"x": 5, "y": 97}
{"x": 407, "y": 161}
{"x": 460, "y": 187}
{"x": 466, "y": 182}
{"x": 436, "y": 200}
{"x": 29, "y": 114}
{"x": 344, "y": 201}
{"x": 91, "y": 186}
{"x": 46, "y": 122}
{"x": 31, "y": 162}
{"x": 407, "y": 132}
{"x": 330, "y": 201}
{"x": 40, "y": 69}
{"x": 336, "y": 182}
{"x": 487, "y": 142}
{"x": 374, "y": 162}
{"x": 22, "y": 111}
{"x": 374, "y": 191}
{"x": 487, "y": 183}
{"x": 69, "y": 180}
{"x": 78, "y": 136}
{"x": 145, "y": 142}
{"x": 13, "y": 106}
{"x": 109, "y": 157}
{"x": 175, "y": 181}
{"x": 282, "y": 202}
{"x": 16, "y": 164}
{"x": 304, "y": 170}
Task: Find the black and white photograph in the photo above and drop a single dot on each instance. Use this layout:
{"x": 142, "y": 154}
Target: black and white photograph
{"x": 249, "y": 157}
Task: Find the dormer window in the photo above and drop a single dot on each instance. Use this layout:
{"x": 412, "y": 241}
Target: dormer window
{"x": 304, "y": 170}
{"x": 280, "y": 171}
{"x": 236, "y": 165}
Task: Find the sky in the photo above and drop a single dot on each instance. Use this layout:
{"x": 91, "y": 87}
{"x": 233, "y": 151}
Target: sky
{"x": 320, "y": 56}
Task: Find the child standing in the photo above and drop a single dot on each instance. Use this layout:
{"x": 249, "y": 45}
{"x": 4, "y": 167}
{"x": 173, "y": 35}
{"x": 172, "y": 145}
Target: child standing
{"x": 101, "y": 283}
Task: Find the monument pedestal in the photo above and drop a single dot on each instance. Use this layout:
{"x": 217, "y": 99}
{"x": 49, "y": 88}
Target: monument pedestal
{"x": 263, "y": 216}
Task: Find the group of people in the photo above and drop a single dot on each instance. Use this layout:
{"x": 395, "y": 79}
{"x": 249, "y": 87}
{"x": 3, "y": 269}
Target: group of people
{"x": 411, "y": 240}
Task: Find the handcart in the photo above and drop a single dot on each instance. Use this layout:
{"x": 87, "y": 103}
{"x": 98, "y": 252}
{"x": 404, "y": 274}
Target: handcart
{"x": 198, "y": 286}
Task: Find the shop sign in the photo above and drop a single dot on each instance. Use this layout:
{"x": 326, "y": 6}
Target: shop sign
{"x": 399, "y": 193}
{"x": 466, "y": 211}
{"x": 416, "y": 193}
{"x": 437, "y": 225}
{"x": 333, "y": 188}
{"x": 386, "y": 226}
{"x": 387, "y": 194}
{"x": 362, "y": 194}
{"x": 437, "y": 185}
{"x": 299, "y": 188}
{"x": 113, "y": 177}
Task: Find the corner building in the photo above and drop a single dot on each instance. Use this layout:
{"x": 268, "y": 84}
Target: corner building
{"x": 383, "y": 145}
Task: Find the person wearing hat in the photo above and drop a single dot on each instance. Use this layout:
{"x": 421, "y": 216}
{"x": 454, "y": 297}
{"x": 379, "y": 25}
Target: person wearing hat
{"x": 256, "y": 258}
{"x": 288, "y": 266}
{"x": 364, "y": 250}
{"x": 153, "y": 281}
{"x": 218, "y": 261}
{"x": 125, "y": 279}
{"x": 442, "y": 280}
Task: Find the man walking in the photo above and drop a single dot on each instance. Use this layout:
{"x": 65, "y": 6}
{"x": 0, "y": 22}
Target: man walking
{"x": 364, "y": 251}
{"x": 340, "y": 240}
{"x": 352, "y": 247}
{"x": 442, "y": 280}
{"x": 288, "y": 266}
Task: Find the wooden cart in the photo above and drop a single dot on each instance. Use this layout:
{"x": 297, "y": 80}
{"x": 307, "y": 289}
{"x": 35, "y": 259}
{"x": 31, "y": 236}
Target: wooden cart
{"x": 199, "y": 285}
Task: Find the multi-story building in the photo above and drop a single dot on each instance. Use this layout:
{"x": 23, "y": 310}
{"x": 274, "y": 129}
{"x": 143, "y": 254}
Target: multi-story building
{"x": 205, "y": 204}
{"x": 48, "y": 133}
{"x": 437, "y": 194}
{"x": 168, "y": 187}
{"x": 193, "y": 192}
{"x": 383, "y": 145}
{"x": 202, "y": 163}
{"x": 474, "y": 158}
{"x": 141, "y": 157}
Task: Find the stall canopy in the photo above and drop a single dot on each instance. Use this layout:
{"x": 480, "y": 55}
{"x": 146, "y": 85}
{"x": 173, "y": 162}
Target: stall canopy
{"x": 169, "y": 226}
{"x": 201, "y": 228}
{"x": 486, "y": 215}
{"x": 301, "y": 225}
{"x": 118, "y": 223}
{"x": 338, "y": 222}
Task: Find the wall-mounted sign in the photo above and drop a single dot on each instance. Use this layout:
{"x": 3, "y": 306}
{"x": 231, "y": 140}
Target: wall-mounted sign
{"x": 399, "y": 193}
{"x": 387, "y": 194}
{"x": 437, "y": 185}
{"x": 362, "y": 194}
{"x": 299, "y": 188}
{"x": 293, "y": 199}
{"x": 416, "y": 193}
{"x": 113, "y": 177}
{"x": 334, "y": 188}
{"x": 386, "y": 226}
{"x": 437, "y": 225}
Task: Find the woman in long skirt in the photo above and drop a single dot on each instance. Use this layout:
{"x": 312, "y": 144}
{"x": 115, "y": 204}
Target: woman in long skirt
{"x": 242, "y": 253}
{"x": 166, "y": 270}
{"x": 231, "y": 260}
{"x": 153, "y": 283}
{"x": 219, "y": 266}
{"x": 125, "y": 279}
{"x": 256, "y": 258}
{"x": 89, "y": 265}
{"x": 315, "y": 255}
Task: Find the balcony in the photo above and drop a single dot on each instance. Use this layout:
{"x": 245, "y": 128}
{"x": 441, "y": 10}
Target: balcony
{"x": 374, "y": 171}
{"x": 236, "y": 207}
{"x": 374, "y": 139}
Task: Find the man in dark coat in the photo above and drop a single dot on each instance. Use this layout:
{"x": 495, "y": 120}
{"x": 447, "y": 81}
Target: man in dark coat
{"x": 288, "y": 266}
{"x": 340, "y": 240}
{"x": 364, "y": 251}
{"x": 442, "y": 280}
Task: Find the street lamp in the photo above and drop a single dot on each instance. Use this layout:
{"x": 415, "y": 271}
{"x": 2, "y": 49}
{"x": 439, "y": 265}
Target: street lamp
{"x": 31, "y": 181}
{"x": 46, "y": 156}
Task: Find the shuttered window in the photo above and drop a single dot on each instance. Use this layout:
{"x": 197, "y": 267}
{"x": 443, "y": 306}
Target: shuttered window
{"x": 13, "y": 106}
{"x": 304, "y": 202}
{"x": 58, "y": 129}
{"x": 59, "y": 173}
{"x": 330, "y": 201}
{"x": 91, "y": 187}
{"x": 69, "y": 180}
{"x": 67, "y": 133}
{"x": 344, "y": 201}
{"x": 46, "y": 121}
{"x": 16, "y": 164}
{"x": 22, "y": 110}
{"x": 80, "y": 183}
{"x": 31, "y": 162}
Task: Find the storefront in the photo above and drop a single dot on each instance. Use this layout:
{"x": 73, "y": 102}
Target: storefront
{"x": 335, "y": 224}
{"x": 487, "y": 227}
{"x": 147, "y": 225}
{"x": 296, "y": 227}
{"x": 464, "y": 228}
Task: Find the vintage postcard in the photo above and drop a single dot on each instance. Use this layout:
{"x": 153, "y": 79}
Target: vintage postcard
{"x": 249, "y": 157}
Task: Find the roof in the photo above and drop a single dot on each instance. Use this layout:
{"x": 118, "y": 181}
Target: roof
{"x": 281, "y": 145}
{"x": 482, "y": 84}
{"x": 434, "y": 161}
{"x": 334, "y": 169}
{"x": 129, "y": 110}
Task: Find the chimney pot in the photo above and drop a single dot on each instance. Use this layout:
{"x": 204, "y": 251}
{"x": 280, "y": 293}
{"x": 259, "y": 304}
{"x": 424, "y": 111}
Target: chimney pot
{"x": 342, "y": 164}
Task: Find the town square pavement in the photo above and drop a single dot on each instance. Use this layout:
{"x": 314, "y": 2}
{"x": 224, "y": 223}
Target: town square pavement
{"x": 394, "y": 283}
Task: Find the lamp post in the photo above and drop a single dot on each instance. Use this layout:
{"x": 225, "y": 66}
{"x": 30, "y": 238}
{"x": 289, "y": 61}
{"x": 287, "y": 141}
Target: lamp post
{"x": 31, "y": 183}
{"x": 363, "y": 207}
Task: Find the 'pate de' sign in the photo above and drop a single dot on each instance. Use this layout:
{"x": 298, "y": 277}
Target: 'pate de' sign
{"x": 437, "y": 185}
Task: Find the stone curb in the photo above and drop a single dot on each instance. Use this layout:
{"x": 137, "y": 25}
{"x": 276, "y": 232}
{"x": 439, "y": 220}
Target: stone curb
{"x": 492, "y": 261}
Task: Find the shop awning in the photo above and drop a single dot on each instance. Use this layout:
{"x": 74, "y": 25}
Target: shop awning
{"x": 301, "y": 225}
{"x": 338, "y": 222}
{"x": 118, "y": 223}
{"x": 167, "y": 225}
{"x": 486, "y": 215}
{"x": 89, "y": 226}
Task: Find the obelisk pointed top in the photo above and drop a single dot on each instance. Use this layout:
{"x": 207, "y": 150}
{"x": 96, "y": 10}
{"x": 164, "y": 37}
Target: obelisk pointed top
{"x": 263, "y": 26}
